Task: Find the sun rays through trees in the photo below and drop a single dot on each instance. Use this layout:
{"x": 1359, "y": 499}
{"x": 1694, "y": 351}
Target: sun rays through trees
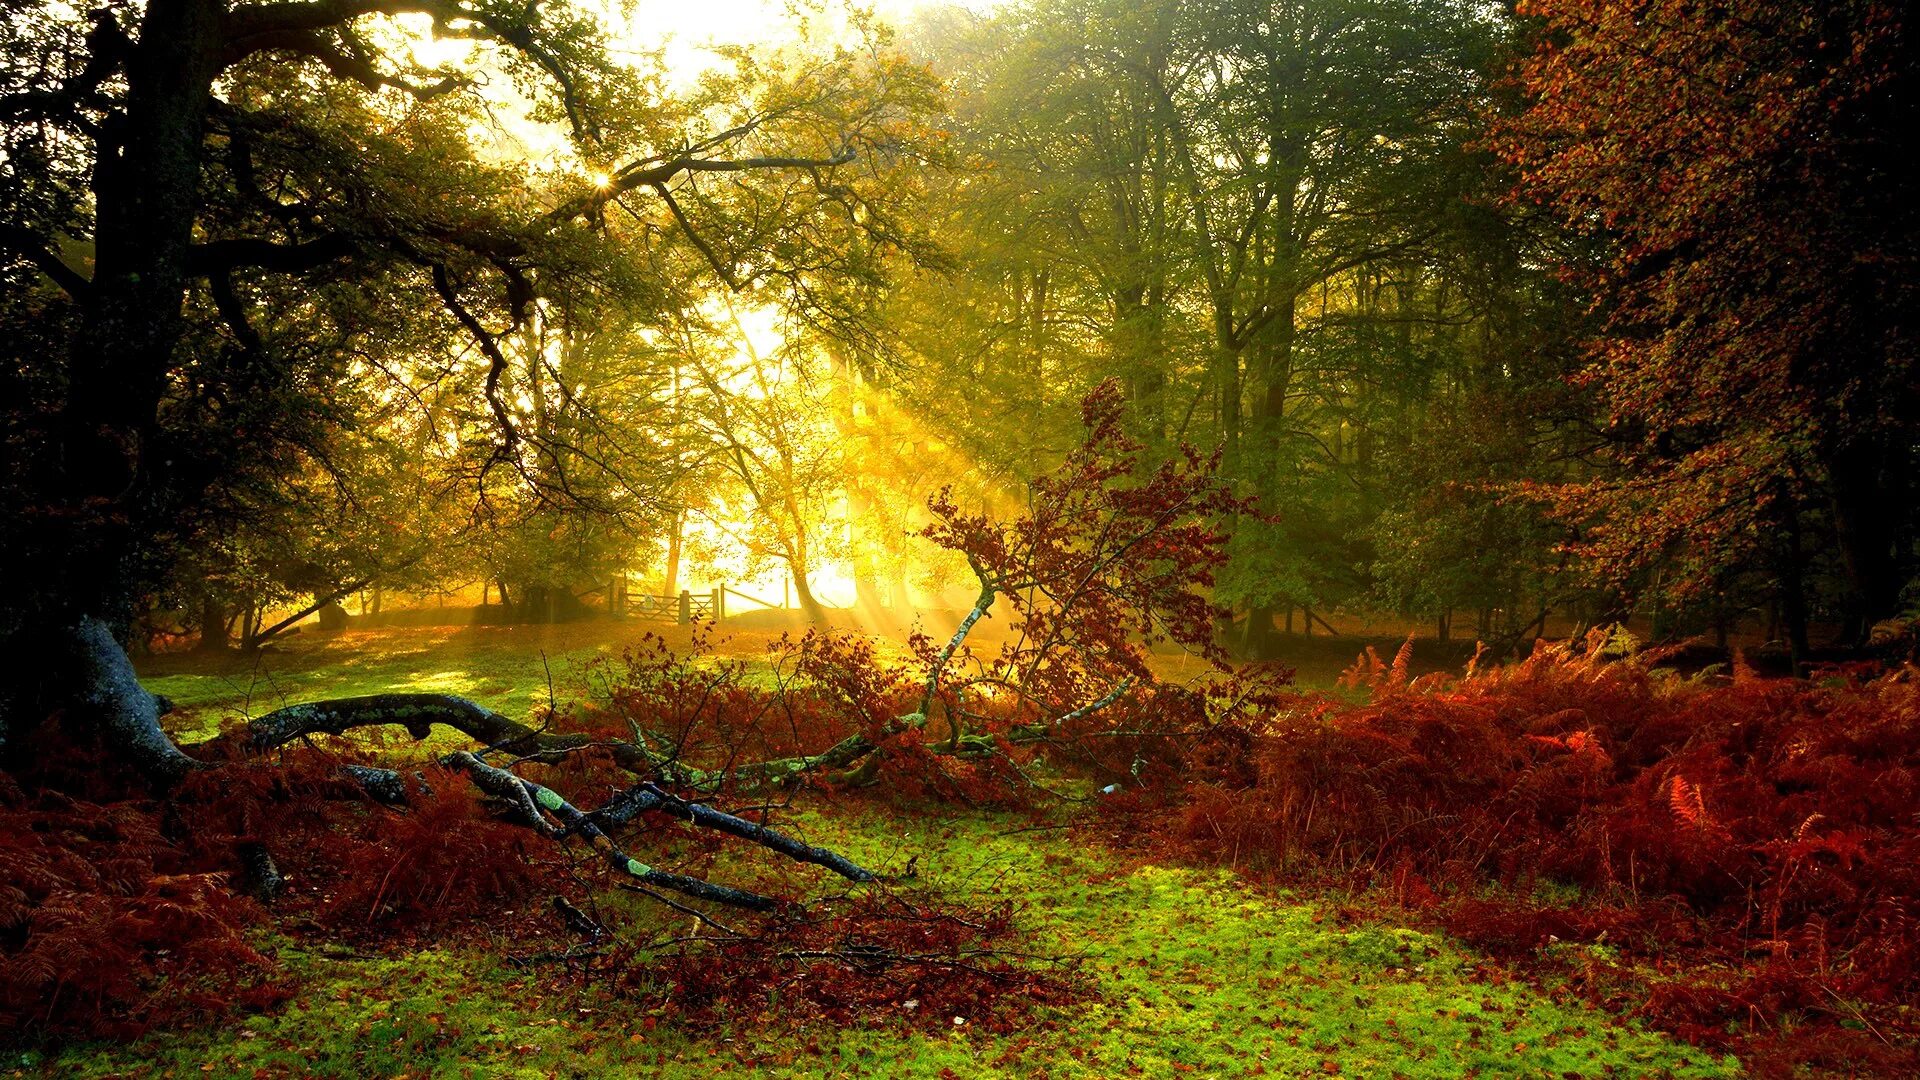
{"x": 622, "y": 504}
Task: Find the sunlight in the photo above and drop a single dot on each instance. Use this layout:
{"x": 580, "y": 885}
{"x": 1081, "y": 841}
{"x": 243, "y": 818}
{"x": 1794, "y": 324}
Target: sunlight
{"x": 695, "y": 33}
{"x": 757, "y": 328}
{"x": 1064, "y": 537}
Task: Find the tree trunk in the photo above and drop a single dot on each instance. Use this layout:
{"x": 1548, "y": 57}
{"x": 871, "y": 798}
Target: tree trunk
{"x": 804, "y": 594}
{"x": 1137, "y": 348}
{"x": 115, "y": 482}
{"x": 79, "y": 670}
{"x": 673, "y": 554}
{"x": 1793, "y": 595}
{"x": 1257, "y": 640}
{"x": 1869, "y": 502}
{"x": 213, "y": 626}
{"x": 1226, "y": 388}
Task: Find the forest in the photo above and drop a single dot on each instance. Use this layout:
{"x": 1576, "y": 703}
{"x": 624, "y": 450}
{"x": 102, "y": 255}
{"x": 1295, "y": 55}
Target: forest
{"x": 959, "y": 538}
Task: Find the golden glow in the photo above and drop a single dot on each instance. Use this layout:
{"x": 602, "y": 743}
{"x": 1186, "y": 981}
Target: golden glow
{"x": 856, "y": 424}
{"x": 872, "y": 469}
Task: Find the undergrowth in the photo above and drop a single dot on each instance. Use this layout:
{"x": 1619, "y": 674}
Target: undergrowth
{"x": 1743, "y": 852}
{"x": 1185, "y": 972}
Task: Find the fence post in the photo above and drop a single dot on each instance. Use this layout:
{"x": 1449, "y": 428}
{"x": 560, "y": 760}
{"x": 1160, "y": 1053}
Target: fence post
{"x": 686, "y": 606}
{"x": 713, "y": 610}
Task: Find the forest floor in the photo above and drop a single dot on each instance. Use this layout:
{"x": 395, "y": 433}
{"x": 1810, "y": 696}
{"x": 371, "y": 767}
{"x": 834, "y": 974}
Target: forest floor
{"x": 1187, "y": 971}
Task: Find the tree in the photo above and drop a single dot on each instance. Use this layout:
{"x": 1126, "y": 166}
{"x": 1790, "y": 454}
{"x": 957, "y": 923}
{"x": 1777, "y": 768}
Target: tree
{"x": 1745, "y": 163}
{"x": 765, "y": 426}
{"x": 193, "y": 154}
{"x": 1237, "y": 204}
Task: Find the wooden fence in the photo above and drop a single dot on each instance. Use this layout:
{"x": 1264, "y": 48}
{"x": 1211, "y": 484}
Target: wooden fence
{"x": 684, "y": 608}
{"x": 708, "y": 606}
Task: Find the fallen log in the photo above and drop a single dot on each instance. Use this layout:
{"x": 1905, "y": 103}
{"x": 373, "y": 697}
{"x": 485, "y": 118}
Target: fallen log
{"x": 538, "y": 806}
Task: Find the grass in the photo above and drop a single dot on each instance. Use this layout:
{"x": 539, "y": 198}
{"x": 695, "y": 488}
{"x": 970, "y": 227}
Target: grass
{"x": 1193, "y": 972}
{"x": 508, "y": 669}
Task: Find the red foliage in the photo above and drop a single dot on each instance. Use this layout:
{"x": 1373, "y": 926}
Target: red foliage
{"x": 121, "y": 912}
{"x": 1110, "y": 559}
{"x": 880, "y": 956}
{"x": 97, "y": 907}
{"x": 1763, "y": 829}
{"x": 1736, "y": 162}
{"x": 441, "y": 861}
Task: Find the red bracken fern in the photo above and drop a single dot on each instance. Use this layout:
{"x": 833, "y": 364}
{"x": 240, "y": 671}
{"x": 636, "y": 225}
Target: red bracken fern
{"x": 1763, "y": 828}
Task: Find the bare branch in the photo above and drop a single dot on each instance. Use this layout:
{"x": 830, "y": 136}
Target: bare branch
{"x": 519, "y": 789}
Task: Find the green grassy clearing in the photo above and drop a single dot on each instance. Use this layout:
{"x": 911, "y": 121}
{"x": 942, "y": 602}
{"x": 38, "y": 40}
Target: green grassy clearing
{"x": 1193, "y": 973}
{"x": 510, "y": 669}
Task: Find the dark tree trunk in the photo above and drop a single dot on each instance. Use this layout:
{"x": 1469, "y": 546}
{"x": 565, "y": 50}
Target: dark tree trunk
{"x": 86, "y": 670}
{"x": 1793, "y": 595}
{"x": 1869, "y": 507}
{"x": 213, "y": 626}
{"x": 1257, "y": 642}
{"x": 117, "y": 473}
{"x": 117, "y": 481}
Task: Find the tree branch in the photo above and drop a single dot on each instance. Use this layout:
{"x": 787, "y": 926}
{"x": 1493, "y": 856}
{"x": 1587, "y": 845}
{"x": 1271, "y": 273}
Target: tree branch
{"x": 318, "y": 602}
{"x": 519, "y": 790}
{"x": 633, "y": 176}
{"x": 649, "y": 797}
{"x": 31, "y": 248}
{"x": 490, "y": 345}
{"x": 359, "y": 69}
{"x": 988, "y": 592}
{"x": 220, "y": 256}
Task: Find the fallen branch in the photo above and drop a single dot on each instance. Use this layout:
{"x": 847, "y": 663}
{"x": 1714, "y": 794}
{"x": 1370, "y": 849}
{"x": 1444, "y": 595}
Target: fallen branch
{"x": 651, "y": 798}
{"x": 418, "y": 713}
{"x": 538, "y": 797}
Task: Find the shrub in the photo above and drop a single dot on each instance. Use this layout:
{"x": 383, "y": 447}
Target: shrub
{"x": 1765, "y": 829}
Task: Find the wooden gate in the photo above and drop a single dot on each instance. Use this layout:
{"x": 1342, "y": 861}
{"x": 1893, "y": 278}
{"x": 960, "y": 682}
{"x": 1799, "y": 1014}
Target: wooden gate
{"x": 685, "y": 608}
